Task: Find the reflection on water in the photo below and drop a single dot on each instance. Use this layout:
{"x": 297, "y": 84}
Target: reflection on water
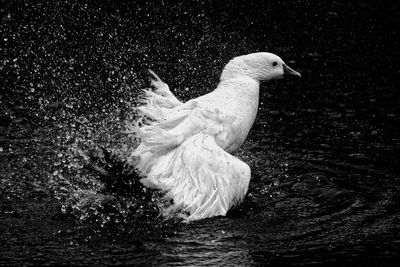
{"x": 324, "y": 150}
{"x": 209, "y": 242}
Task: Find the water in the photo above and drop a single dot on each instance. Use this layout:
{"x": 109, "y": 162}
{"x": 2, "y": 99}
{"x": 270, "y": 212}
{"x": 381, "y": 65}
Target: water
{"x": 325, "y": 185}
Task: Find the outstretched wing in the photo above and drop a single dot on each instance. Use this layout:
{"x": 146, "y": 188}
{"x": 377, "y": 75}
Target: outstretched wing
{"x": 164, "y": 134}
{"x": 180, "y": 153}
{"x": 201, "y": 178}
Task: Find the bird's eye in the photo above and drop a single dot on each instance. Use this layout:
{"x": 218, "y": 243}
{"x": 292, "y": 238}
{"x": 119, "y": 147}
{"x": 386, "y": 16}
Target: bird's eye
{"x": 274, "y": 63}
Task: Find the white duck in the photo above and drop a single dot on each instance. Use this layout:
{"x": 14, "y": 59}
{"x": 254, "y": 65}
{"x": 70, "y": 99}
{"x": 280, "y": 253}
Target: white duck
{"x": 185, "y": 147}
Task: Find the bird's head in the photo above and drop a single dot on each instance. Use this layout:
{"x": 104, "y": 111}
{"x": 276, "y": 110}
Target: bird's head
{"x": 260, "y": 66}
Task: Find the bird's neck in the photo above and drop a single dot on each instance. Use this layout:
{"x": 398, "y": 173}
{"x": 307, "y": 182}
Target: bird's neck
{"x": 232, "y": 70}
{"x": 240, "y": 87}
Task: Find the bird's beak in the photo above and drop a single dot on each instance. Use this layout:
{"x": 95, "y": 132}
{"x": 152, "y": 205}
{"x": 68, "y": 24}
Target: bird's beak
{"x": 289, "y": 70}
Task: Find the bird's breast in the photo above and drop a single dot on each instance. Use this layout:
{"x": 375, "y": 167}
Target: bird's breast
{"x": 240, "y": 103}
{"x": 234, "y": 134}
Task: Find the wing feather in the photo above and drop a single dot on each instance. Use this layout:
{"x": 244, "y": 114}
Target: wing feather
{"x": 205, "y": 181}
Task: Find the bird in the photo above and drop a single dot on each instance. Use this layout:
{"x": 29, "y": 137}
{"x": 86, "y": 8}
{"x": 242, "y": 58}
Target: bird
{"x": 185, "y": 148}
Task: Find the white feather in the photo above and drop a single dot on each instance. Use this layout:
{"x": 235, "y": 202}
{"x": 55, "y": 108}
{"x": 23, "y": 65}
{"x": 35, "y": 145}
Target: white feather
{"x": 185, "y": 147}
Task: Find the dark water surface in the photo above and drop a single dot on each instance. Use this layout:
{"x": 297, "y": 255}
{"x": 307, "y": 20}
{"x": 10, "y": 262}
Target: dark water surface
{"x": 324, "y": 150}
